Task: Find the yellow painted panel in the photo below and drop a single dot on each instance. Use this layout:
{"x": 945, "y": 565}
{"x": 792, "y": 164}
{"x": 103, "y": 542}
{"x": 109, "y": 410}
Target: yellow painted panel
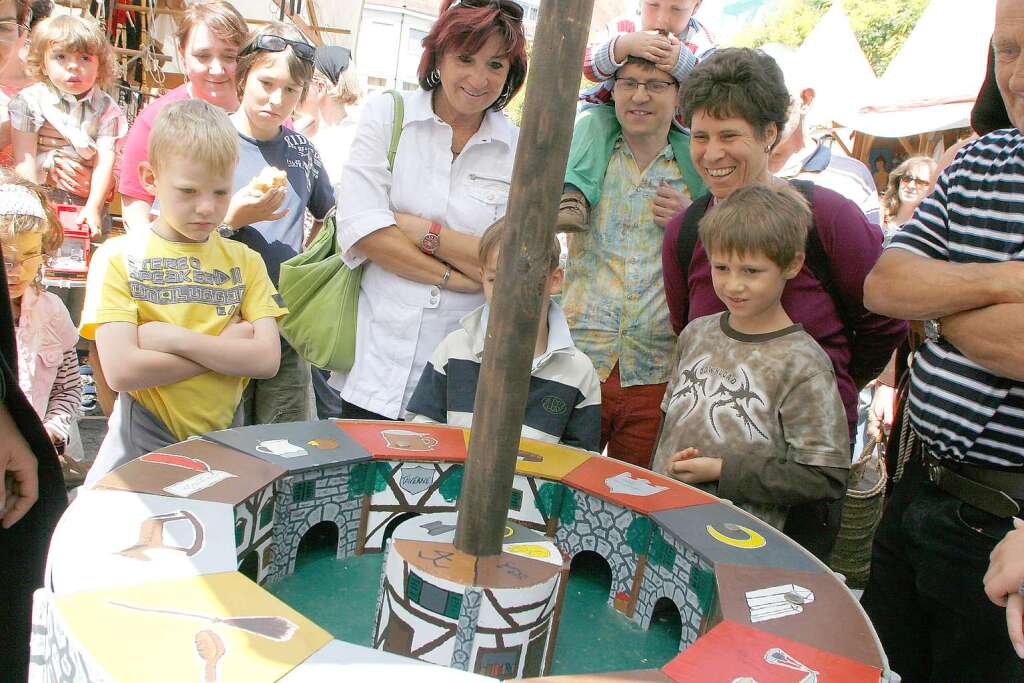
{"x": 555, "y": 461}
{"x": 218, "y": 627}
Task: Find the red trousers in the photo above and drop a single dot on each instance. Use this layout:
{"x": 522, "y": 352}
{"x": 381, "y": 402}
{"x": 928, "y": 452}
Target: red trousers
{"x": 630, "y": 418}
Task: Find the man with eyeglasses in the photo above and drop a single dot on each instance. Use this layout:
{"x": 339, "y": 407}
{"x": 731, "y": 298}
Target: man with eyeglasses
{"x": 958, "y": 265}
{"x": 615, "y": 297}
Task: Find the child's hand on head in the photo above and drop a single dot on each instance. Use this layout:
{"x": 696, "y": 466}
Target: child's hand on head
{"x": 672, "y": 58}
{"x": 649, "y": 45}
{"x": 690, "y": 467}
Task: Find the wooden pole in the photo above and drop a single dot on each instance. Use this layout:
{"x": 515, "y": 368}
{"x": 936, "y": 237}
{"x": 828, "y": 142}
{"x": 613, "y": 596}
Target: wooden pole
{"x": 537, "y": 179}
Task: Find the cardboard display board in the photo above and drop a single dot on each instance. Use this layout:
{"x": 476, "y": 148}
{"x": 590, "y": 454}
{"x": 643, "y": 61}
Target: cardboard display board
{"x": 339, "y": 661}
{"x": 407, "y": 440}
{"x": 115, "y": 538}
{"x": 197, "y": 470}
{"x": 220, "y": 627}
{"x": 632, "y": 487}
{"x": 294, "y": 446}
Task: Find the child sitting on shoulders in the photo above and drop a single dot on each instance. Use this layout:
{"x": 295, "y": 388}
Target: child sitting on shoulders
{"x": 73, "y": 60}
{"x": 564, "y": 402}
{"x": 663, "y": 32}
{"x": 752, "y": 411}
{"x": 182, "y": 317}
{"x": 46, "y": 337}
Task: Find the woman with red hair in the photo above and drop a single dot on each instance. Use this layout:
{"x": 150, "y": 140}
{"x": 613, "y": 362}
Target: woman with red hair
{"x": 417, "y": 225}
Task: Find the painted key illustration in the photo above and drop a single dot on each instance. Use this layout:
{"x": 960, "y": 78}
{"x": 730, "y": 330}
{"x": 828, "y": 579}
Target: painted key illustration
{"x": 205, "y": 478}
{"x": 780, "y": 657}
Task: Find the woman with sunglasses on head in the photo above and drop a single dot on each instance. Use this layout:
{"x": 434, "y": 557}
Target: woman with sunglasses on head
{"x": 417, "y": 226}
{"x": 208, "y": 38}
{"x": 276, "y": 167}
{"x": 908, "y": 185}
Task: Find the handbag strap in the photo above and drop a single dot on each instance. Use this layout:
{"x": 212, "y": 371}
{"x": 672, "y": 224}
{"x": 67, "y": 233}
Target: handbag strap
{"x": 396, "y": 127}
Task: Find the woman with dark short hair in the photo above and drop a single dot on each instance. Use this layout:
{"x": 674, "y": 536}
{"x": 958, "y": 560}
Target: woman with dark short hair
{"x": 735, "y": 104}
{"x": 416, "y": 226}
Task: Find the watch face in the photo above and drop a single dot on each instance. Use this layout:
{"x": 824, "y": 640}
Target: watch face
{"x": 430, "y": 243}
{"x": 931, "y": 330}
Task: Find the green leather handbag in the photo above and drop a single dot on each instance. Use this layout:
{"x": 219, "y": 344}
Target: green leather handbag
{"x": 322, "y": 293}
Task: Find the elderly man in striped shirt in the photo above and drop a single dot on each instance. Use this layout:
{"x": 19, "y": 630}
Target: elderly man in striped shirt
{"x": 959, "y": 267}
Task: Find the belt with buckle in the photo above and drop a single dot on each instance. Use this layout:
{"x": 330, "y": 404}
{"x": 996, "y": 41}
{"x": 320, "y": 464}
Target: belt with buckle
{"x": 997, "y": 492}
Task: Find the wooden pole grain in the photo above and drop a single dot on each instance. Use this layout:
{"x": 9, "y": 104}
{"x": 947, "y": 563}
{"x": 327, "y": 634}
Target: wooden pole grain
{"x": 537, "y": 179}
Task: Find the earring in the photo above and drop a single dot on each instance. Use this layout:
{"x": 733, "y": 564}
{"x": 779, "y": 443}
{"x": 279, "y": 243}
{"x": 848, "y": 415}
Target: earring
{"x": 434, "y": 78}
{"x": 503, "y": 99}
{"x": 767, "y": 149}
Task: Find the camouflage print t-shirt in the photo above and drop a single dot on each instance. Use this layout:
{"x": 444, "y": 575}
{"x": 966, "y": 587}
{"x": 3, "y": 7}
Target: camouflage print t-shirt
{"x": 766, "y": 404}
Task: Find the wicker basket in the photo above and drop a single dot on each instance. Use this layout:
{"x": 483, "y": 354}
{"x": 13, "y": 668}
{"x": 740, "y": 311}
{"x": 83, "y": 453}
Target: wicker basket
{"x": 862, "y": 510}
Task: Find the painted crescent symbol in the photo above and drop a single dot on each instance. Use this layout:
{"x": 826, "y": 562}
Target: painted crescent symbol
{"x": 752, "y": 540}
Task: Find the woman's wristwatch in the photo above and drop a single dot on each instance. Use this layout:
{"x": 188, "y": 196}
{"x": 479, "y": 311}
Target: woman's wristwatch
{"x": 432, "y": 240}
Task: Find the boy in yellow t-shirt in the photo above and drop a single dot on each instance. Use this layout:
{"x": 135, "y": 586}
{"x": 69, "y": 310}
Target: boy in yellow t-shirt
{"x": 182, "y": 317}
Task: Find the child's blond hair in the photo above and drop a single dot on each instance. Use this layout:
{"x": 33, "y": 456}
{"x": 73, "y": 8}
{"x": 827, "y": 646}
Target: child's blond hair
{"x": 74, "y": 34}
{"x": 491, "y": 240}
{"x": 196, "y": 129}
{"x": 12, "y": 224}
{"x": 300, "y": 71}
{"x": 769, "y": 220}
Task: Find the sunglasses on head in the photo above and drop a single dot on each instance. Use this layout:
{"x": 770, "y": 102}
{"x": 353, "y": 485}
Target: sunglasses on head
{"x": 511, "y": 9}
{"x": 272, "y": 43}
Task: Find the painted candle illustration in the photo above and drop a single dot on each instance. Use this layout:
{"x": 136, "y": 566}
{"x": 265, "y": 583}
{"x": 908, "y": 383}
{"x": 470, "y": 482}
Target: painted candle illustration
{"x": 271, "y": 627}
{"x": 204, "y": 479}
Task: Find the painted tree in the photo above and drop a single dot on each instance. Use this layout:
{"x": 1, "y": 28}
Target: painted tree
{"x": 881, "y": 26}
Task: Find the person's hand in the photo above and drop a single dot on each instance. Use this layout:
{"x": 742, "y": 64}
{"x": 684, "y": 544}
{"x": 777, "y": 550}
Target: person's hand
{"x": 649, "y": 45}
{"x": 91, "y": 218}
{"x": 673, "y": 56}
{"x": 412, "y": 227}
{"x": 160, "y": 336}
{"x": 249, "y": 206}
{"x": 667, "y": 203}
{"x": 459, "y": 282}
{"x": 18, "y": 464}
{"x": 1003, "y": 581}
{"x": 881, "y": 410}
{"x": 50, "y": 138}
{"x": 55, "y": 438}
{"x": 71, "y": 175}
{"x": 238, "y": 329}
{"x": 690, "y": 467}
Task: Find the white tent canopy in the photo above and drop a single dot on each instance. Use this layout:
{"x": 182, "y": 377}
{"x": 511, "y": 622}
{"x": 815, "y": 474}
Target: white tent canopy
{"x": 933, "y": 81}
{"x": 835, "y": 66}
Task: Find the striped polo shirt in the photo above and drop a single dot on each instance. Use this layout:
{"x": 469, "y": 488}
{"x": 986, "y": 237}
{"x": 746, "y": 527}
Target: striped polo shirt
{"x": 961, "y": 411}
{"x": 564, "y": 401}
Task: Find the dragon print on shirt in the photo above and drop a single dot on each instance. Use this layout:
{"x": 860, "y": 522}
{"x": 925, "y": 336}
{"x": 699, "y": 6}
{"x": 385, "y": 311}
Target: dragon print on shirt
{"x": 732, "y": 398}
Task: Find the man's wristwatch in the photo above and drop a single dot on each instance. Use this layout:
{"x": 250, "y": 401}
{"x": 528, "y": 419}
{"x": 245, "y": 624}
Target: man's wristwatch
{"x": 432, "y": 240}
{"x": 933, "y": 330}
{"x": 225, "y": 230}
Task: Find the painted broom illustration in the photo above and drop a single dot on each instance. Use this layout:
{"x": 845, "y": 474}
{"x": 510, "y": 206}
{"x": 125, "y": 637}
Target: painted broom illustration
{"x": 274, "y": 628}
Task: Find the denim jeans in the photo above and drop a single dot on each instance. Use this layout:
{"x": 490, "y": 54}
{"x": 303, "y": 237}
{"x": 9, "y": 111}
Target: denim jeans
{"x": 925, "y": 595}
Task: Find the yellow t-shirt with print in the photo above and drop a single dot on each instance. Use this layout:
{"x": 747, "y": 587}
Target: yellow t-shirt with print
{"x": 141, "y": 277}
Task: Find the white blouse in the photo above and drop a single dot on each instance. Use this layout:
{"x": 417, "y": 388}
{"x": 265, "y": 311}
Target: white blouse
{"x": 401, "y": 322}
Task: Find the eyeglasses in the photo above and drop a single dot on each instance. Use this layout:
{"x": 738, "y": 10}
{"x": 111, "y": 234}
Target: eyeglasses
{"x": 271, "y": 43}
{"x": 652, "y": 87}
{"x": 9, "y": 31}
{"x": 10, "y": 263}
{"x": 919, "y": 183}
{"x": 511, "y": 9}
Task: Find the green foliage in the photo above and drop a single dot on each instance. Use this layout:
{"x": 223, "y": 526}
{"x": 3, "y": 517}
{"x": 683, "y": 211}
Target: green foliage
{"x": 638, "y": 535}
{"x": 367, "y": 478}
{"x": 881, "y": 26}
{"x": 451, "y": 487}
{"x": 557, "y": 500}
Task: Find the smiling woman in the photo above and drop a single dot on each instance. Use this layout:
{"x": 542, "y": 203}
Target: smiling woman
{"x": 417, "y": 225}
{"x": 209, "y": 38}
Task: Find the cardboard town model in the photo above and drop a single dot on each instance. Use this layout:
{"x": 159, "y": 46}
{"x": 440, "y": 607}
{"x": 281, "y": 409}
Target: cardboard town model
{"x": 155, "y": 573}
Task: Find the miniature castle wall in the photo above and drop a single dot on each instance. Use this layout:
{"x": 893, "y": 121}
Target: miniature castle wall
{"x": 254, "y": 530}
{"x": 297, "y": 510}
{"x": 689, "y": 583}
